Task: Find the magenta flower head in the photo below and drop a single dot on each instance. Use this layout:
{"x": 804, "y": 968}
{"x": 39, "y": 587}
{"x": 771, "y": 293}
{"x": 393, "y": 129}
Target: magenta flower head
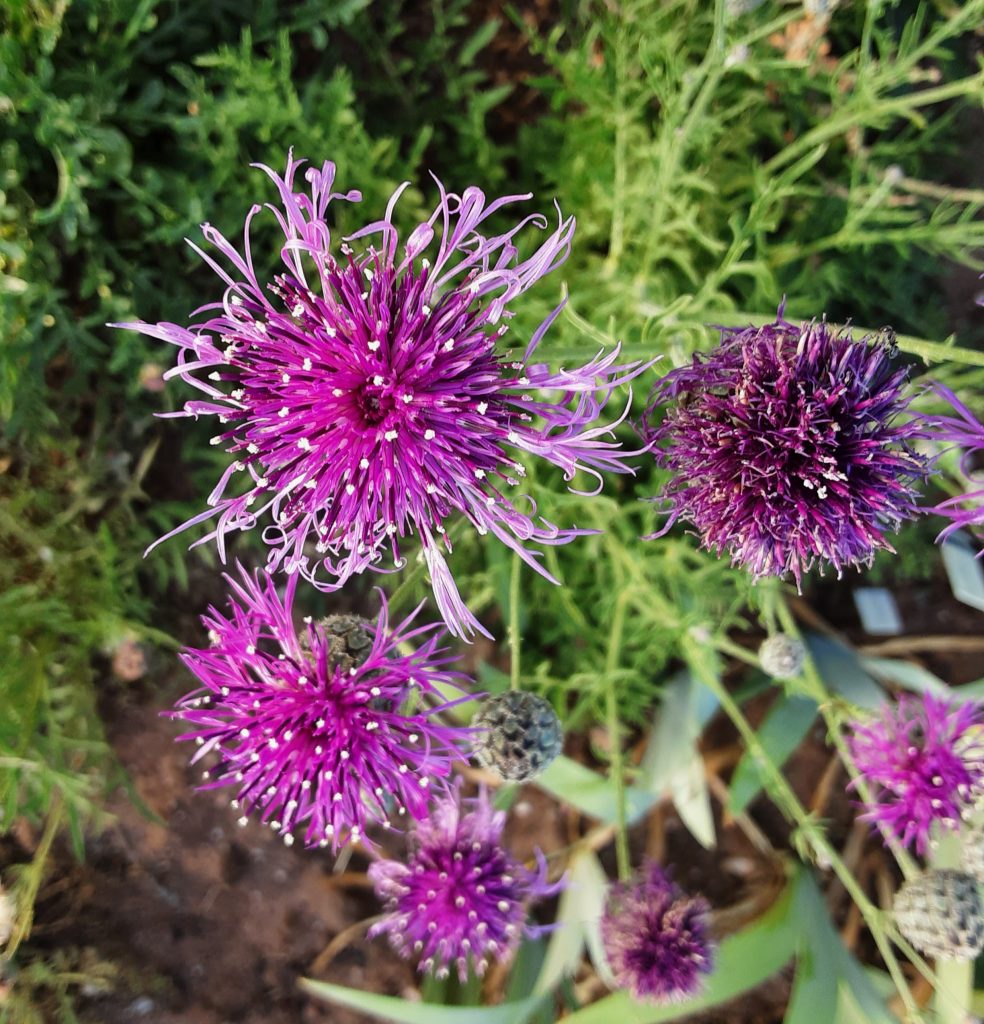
{"x": 459, "y": 899}
{"x": 657, "y": 939}
{"x": 790, "y": 446}
{"x": 312, "y": 739}
{"x": 924, "y": 761}
{"x": 965, "y": 431}
{"x": 364, "y": 396}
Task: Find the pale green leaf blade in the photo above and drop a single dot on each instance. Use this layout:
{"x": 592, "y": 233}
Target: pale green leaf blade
{"x": 578, "y": 923}
{"x": 843, "y": 673}
{"x": 592, "y": 794}
{"x": 392, "y": 1008}
{"x": 826, "y": 959}
{"x": 782, "y": 731}
{"x": 907, "y": 675}
{"x": 672, "y": 764}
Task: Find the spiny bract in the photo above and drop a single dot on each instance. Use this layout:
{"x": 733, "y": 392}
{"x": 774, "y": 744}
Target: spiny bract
{"x": 518, "y": 735}
{"x": 941, "y": 914}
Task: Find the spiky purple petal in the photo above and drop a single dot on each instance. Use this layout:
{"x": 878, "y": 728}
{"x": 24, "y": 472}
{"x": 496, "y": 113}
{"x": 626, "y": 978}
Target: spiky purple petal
{"x": 461, "y": 899}
{"x": 790, "y": 447}
{"x": 965, "y": 431}
{"x": 656, "y": 939}
{"x": 307, "y": 743}
{"x": 923, "y": 757}
{"x": 365, "y": 397}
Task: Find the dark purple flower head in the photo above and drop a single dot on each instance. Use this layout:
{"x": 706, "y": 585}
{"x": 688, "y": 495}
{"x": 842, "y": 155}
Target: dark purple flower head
{"x": 924, "y": 759}
{"x": 965, "y": 431}
{"x": 656, "y": 939}
{"x": 365, "y": 397}
{"x": 460, "y": 899}
{"x": 308, "y": 739}
{"x": 790, "y": 447}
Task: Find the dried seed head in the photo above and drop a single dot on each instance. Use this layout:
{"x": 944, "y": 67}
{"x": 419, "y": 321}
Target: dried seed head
{"x": 782, "y": 656}
{"x": 521, "y": 735}
{"x": 350, "y": 637}
{"x": 941, "y": 914}
{"x": 349, "y": 641}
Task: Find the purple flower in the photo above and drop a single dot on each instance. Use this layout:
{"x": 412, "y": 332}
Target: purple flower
{"x": 655, "y": 938}
{"x": 924, "y": 759}
{"x": 789, "y": 447}
{"x": 967, "y": 432}
{"x": 308, "y": 738}
{"x": 460, "y": 898}
{"x": 365, "y": 398}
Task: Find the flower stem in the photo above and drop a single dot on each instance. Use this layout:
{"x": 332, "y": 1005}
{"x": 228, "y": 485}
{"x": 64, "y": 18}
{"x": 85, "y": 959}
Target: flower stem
{"x": 514, "y": 663}
{"x": 954, "y": 978}
{"x": 786, "y": 800}
{"x": 30, "y": 881}
{"x": 817, "y": 690}
{"x": 616, "y": 763}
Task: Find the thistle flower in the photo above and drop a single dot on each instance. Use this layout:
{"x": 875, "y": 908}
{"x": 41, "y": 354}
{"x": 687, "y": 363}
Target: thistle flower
{"x": 307, "y": 735}
{"x": 790, "y": 447}
{"x": 460, "y": 899}
{"x": 365, "y": 398}
{"x": 656, "y": 939}
{"x": 924, "y": 759}
{"x": 966, "y": 431}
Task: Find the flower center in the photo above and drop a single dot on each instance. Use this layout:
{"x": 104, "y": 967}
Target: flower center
{"x": 374, "y": 402}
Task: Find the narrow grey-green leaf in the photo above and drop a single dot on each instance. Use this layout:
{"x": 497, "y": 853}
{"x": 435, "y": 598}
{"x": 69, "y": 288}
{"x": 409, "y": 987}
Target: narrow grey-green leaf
{"x": 842, "y": 671}
{"x": 672, "y": 764}
{"x": 592, "y": 794}
{"x": 781, "y": 732}
{"x": 906, "y": 674}
{"x": 578, "y": 917}
{"x": 401, "y": 1011}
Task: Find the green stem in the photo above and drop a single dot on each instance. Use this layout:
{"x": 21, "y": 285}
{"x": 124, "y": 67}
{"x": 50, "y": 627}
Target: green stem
{"x": 840, "y": 122}
{"x": 514, "y": 644}
{"x": 616, "y": 762}
{"x": 786, "y": 800}
{"x": 619, "y": 152}
{"x": 954, "y": 978}
{"x": 817, "y": 690}
{"x": 31, "y": 878}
